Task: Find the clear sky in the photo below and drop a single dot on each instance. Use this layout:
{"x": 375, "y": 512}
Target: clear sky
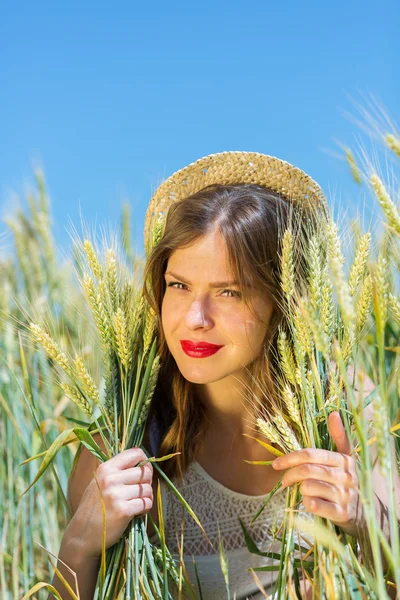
{"x": 111, "y": 98}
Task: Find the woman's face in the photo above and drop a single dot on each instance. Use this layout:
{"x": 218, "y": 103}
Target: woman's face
{"x": 195, "y": 309}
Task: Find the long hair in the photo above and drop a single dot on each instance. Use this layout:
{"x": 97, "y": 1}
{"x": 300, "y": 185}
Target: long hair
{"x": 252, "y": 220}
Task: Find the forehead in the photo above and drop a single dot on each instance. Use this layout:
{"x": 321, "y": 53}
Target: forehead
{"x": 207, "y": 255}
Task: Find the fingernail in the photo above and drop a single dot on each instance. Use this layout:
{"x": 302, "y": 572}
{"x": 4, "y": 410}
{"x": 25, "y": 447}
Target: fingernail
{"x": 276, "y": 463}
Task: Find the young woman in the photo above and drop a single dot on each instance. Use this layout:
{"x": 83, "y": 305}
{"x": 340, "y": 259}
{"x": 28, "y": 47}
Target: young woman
{"x": 214, "y": 281}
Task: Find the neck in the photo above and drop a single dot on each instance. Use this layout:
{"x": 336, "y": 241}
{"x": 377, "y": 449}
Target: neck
{"x": 228, "y": 410}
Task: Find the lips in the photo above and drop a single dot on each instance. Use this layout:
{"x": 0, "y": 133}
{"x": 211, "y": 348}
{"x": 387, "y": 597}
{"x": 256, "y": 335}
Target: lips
{"x": 199, "y": 349}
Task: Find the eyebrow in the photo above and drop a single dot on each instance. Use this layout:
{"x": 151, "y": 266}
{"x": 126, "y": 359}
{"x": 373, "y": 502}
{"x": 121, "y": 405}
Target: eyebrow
{"x": 215, "y": 284}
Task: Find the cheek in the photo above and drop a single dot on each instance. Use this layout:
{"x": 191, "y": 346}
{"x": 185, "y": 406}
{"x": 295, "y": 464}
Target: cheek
{"x": 169, "y": 313}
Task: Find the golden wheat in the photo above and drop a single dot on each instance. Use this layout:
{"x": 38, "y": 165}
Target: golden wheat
{"x": 303, "y": 336}
{"x": 51, "y": 347}
{"x": 388, "y": 207}
{"x": 355, "y": 171}
{"x": 268, "y": 430}
{"x": 112, "y": 278}
{"x": 287, "y": 264}
{"x": 89, "y": 386}
{"x": 150, "y": 390}
{"x": 78, "y": 398}
{"x": 292, "y": 404}
{"x": 316, "y": 327}
{"x": 393, "y": 141}
{"x": 327, "y": 305}
{"x": 359, "y": 265}
{"x": 394, "y": 306}
{"x": 336, "y": 261}
{"x": 92, "y": 259}
{"x": 286, "y": 357}
{"x": 380, "y": 284}
{"x": 364, "y": 304}
{"x": 315, "y": 273}
{"x": 286, "y": 432}
{"x": 122, "y": 339}
{"x": 97, "y": 307}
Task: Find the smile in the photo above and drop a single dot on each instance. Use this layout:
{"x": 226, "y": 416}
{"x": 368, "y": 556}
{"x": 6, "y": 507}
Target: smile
{"x": 201, "y": 351}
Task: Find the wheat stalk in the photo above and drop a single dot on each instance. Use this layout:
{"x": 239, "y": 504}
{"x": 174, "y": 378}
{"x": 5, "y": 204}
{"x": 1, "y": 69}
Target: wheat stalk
{"x": 364, "y": 304}
{"x": 336, "y": 261}
{"x": 380, "y": 285}
{"x": 268, "y": 430}
{"x": 149, "y": 327}
{"x": 89, "y": 386}
{"x": 315, "y": 273}
{"x": 292, "y": 404}
{"x": 355, "y": 171}
{"x": 394, "y": 306}
{"x": 358, "y": 267}
{"x": 78, "y": 398}
{"x": 98, "y": 310}
{"x": 51, "y": 347}
{"x": 286, "y": 432}
{"x": 92, "y": 259}
{"x": 112, "y": 278}
{"x": 150, "y": 392}
{"x": 287, "y": 264}
{"x": 388, "y": 207}
{"x": 381, "y": 426}
{"x": 121, "y": 338}
{"x": 304, "y": 341}
{"x": 316, "y": 327}
{"x": 327, "y": 305}
{"x": 393, "y": 141}
{"x": 286, "y": 357}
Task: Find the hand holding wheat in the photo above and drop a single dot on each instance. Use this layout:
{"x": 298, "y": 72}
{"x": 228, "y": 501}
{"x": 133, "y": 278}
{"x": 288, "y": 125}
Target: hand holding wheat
{"x": 126, "y": 490}
{"x": 328, "y": 480}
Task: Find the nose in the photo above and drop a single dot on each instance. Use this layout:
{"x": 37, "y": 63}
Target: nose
{"x": 198, "y": 315}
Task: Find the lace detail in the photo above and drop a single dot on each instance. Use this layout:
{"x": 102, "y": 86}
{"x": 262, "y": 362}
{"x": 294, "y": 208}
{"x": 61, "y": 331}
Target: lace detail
{"x": 218, "y": 508}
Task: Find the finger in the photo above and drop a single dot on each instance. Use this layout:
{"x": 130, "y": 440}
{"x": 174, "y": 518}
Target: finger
{"x": 128, "y": 458}
{"x": 135, "y": 475}
{"x": 137, "y": 506}
{"x": 309, "y": 455}
{"x": 326, "y": 509}
{"x": 320, "y": 473}
{"x": 141, "y": 490}
{"x": 338, "y": 433}
{"x": 325, "y": 491}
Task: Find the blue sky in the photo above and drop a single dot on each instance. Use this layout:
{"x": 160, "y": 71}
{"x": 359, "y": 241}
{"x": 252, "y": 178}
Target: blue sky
{"x": 110, "y": 98}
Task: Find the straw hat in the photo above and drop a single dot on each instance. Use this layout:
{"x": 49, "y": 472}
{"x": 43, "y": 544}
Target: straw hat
{"x": 230, "y": 168}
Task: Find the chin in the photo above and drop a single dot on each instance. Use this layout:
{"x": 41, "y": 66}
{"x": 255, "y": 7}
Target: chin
{"x": 201, "y": 374}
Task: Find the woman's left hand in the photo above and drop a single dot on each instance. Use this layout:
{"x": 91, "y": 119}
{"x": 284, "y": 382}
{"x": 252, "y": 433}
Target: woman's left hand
{"x": 329, "y": 482}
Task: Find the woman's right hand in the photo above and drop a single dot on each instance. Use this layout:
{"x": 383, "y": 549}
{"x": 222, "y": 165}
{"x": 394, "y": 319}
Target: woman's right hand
{"x": 126, "y": 490}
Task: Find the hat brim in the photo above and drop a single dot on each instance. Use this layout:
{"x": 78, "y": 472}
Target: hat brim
{"x": 230, "y": 168}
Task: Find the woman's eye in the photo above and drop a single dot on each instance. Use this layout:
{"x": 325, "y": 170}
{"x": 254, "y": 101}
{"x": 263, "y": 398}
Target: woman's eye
{"x": 234, "y": 294}
{"x": 173, "y": 283}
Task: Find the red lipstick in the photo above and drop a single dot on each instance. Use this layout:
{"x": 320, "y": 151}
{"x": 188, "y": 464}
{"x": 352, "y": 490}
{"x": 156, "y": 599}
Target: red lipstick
{"x": 199, "y": 349}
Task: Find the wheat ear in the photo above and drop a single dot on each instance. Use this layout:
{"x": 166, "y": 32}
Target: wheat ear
{"x": 286, "y": 357}
{"x": 51, "y": 347}
{"x": 393, "y": 141}
{"x": 287, "y": 264}
{"x": 78, "y": 398}
{"x": 89, "y": 386}
{"x": 388, "y": 207}
{"x": 358, "y": 267}
{"x": 92, "y": 259}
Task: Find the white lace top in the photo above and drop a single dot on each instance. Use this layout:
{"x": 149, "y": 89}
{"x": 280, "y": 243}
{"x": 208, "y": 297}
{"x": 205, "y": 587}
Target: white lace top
{"x": 219, "y": 507}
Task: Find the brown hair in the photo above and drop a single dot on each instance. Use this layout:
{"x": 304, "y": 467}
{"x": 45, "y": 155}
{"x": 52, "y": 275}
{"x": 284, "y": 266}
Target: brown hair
{"x": 251, "y": 219}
